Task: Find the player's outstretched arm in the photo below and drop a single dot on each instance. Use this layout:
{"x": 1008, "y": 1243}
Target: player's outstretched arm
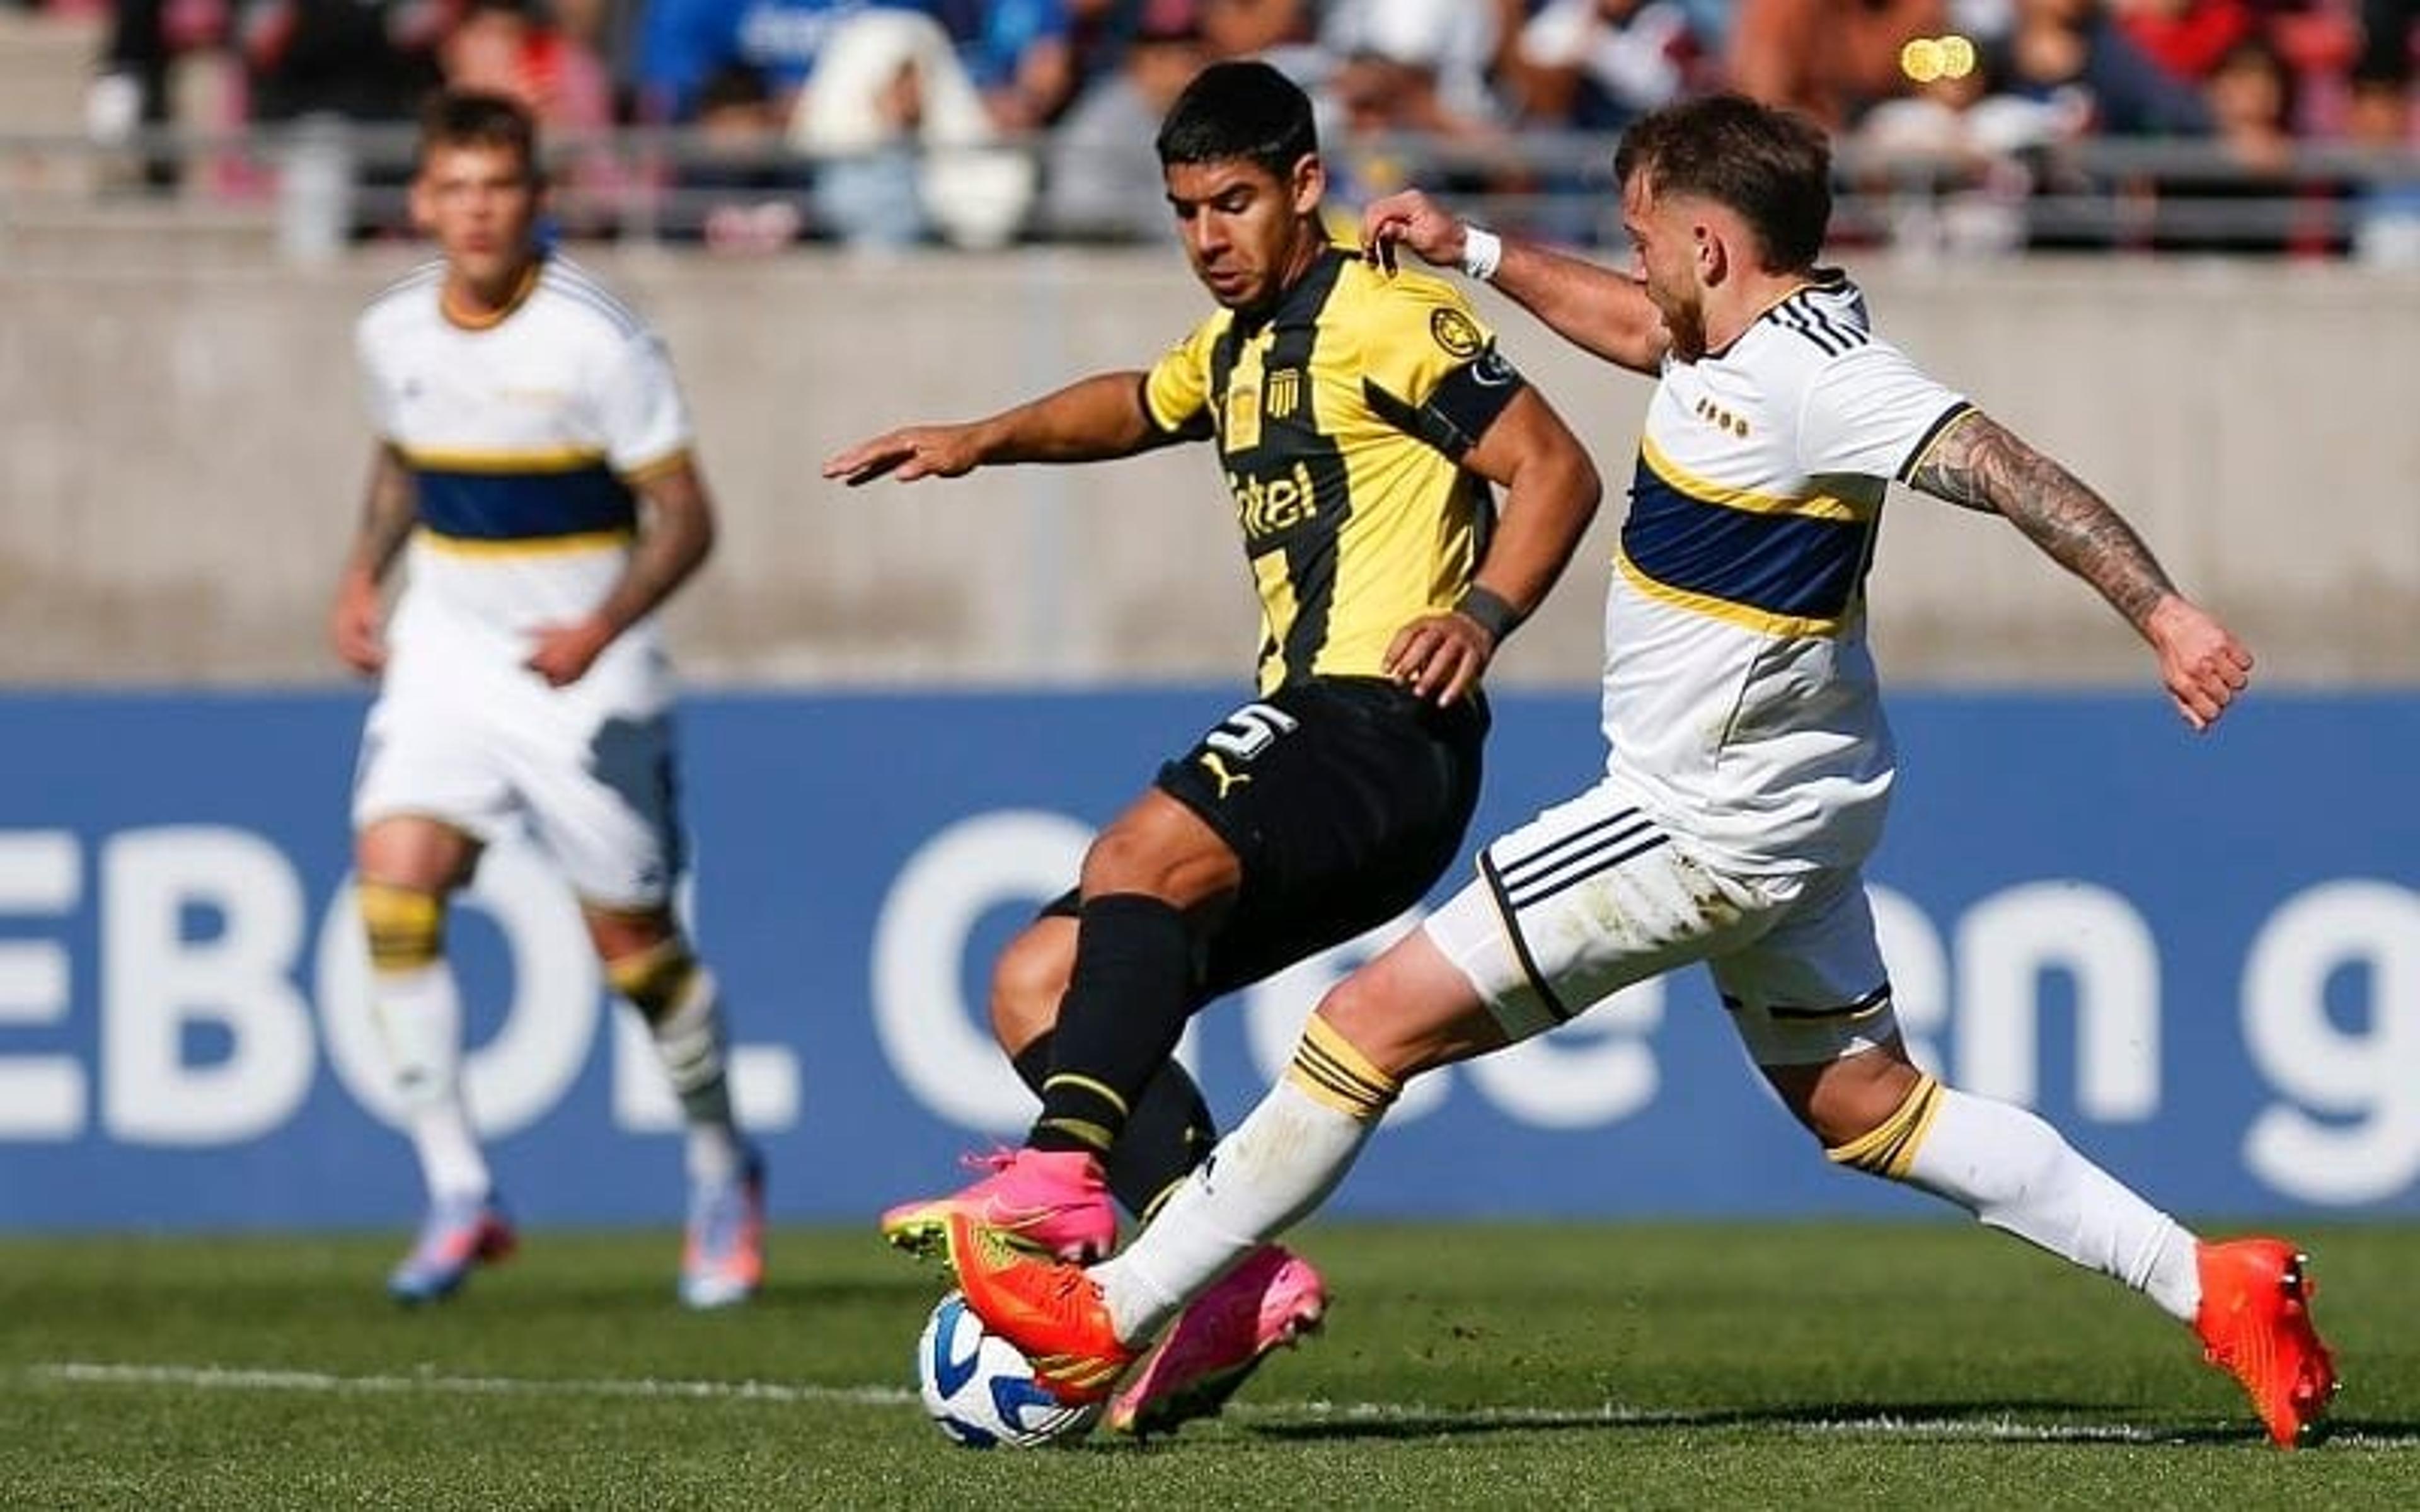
{"x": 389, "y": 506}
{"x": 1091, "y": 419}
{"x": 675, "y": 534}
{"x": 1551, "y": 492}
{"x": 1981, "y": 465}
{"x": 1594, "y": 308}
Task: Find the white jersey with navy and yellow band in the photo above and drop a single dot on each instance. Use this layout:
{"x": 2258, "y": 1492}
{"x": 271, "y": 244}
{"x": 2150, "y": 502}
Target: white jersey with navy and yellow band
{"x": 1739, "y": 694}
{"x": 523, "y": 436}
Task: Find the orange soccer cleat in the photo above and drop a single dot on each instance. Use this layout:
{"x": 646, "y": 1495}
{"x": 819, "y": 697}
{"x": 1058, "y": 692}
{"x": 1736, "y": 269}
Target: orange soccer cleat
{"x": 1049, "y": 1309}
{"x": 2255, "y": 1323}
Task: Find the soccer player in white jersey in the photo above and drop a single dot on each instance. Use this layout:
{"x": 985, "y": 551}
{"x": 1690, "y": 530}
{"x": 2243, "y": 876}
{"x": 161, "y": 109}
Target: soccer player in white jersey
{"x": 1747, "y": 773}
{"x": 534, "y": 467}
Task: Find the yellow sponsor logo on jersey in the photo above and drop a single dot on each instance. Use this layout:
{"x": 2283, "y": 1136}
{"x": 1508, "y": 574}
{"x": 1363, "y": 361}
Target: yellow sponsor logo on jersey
{"x": 1267, "y": 506}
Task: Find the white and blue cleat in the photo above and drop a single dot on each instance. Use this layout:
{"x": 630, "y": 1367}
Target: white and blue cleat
{"x": 459, "y": 1234}
{"x": 722, "y": 1258}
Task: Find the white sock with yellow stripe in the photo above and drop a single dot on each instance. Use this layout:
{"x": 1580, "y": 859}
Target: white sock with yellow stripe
{"x": 419, "y": 1015}
{"x": 2015, "y": 1172}
{"x": 1278, "y": 1164}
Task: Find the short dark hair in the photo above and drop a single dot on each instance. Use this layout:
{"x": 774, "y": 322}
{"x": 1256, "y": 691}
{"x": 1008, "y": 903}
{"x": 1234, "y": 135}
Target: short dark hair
{"x": 467, "y": 118}
{"x": 1246, "y": 112}
{"x": 1771, "y": 166}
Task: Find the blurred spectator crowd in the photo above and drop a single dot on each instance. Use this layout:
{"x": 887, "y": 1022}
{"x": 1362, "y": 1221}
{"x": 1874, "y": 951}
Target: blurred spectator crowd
{"x": 885, "y": 123}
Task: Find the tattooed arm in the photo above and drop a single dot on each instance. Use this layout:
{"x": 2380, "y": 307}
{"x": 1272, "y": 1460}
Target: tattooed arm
{"x": 389, "y": 508}
{"x": 676, "y": 535}
{"x": 1980, "y": 465}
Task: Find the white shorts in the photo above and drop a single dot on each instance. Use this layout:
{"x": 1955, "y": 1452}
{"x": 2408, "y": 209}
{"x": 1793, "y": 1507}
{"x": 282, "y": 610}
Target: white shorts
{"x": 1593, "y": 895}
{"x": 484, "y": 745}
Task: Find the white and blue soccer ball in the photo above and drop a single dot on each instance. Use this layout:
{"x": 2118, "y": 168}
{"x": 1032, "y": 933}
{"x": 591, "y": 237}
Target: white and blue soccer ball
{"x": 981, "y": 1390}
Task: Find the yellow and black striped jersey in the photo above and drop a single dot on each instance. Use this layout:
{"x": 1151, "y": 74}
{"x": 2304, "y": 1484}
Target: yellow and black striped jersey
{"x": 1340, "y": 416}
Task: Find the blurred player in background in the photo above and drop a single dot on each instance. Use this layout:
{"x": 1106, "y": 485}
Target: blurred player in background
{"x": 1749, "y": 770}
{"x": 533, "y": 453}
{"x": 1359, "y": 423}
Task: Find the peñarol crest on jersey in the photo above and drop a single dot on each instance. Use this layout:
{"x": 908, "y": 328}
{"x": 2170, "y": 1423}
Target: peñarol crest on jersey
{"x": 1455, "y": 332}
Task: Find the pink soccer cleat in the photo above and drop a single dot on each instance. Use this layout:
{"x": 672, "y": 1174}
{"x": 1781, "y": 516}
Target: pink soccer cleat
{"x": 1049, "y": 1201}
{"x": 1271, "y": 1300}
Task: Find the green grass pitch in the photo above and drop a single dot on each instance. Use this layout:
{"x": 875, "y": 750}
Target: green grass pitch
{"x": 1657, "y": 1365}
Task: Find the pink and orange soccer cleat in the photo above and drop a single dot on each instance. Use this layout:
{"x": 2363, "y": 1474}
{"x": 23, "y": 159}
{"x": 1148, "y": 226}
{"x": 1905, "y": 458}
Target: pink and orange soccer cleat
{"x": 1268, "y": 1301}
{"x": 1052, "y": 1202}
{"x": 2256, "y": 1324}
{"x": 458, "y": 1234}
{"x": 1049, "y": 1309}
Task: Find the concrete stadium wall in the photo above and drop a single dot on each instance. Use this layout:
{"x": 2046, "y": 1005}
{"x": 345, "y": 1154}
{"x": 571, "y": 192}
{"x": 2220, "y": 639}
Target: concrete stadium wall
{"x": 181, "y": 447}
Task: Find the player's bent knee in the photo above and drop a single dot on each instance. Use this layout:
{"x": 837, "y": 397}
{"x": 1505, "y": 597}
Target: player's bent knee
{"x": 1028, "y": 979}
{"x": 405, "y": 926}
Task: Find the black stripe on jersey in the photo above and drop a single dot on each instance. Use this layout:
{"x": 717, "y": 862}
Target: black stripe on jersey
{"x": 1223, "y": 352}
{"x": 1310, "y": 555}
{"x": 1547, "y": 857}
{"x": 1788, "y": 315}
{"x": 1849, "y": 336}
{"x": 1538, "y": 982}
{"x": 1932, "y": 434}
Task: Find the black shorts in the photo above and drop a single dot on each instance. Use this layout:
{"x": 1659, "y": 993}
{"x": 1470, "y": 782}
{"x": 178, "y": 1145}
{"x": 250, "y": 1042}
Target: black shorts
{"x": 1344, "y": 799}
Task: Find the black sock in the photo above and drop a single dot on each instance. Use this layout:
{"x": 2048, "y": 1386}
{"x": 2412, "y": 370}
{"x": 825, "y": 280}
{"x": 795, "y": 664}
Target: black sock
{"x": 1126, "y": 1003}
{"x": 1168, "y": 1134}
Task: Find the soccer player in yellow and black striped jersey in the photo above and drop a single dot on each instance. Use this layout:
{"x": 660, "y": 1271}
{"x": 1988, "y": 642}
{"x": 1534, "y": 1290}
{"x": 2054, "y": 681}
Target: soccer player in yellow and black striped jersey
{"x": 1359, "y": 423}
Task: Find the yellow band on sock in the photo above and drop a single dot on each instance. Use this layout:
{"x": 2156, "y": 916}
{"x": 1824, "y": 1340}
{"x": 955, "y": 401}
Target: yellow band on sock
{"x": 1889, "y": 1147}
{"x": 1091, "y": 1134}
{"x": 1159, "y": 1200}
{"x": 1076, "y": 1079}
{"x": 655, "y": 979}
{"x": 1329, "y": 1069}
{"x": 406, "y": 926}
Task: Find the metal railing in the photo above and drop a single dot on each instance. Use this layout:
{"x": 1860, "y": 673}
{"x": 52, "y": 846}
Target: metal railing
{"x": 309, "y": 188}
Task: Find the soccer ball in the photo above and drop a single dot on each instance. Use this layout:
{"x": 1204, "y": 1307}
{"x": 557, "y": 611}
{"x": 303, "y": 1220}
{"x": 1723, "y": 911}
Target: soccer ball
{"x": 980, "y": 1389}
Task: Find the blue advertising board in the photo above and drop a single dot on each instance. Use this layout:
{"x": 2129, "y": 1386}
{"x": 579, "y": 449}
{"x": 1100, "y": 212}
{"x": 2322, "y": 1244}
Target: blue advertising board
{"x": 2199, "y": 956}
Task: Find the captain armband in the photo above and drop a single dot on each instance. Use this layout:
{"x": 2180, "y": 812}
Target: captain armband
{"x": 1489, "y": 610}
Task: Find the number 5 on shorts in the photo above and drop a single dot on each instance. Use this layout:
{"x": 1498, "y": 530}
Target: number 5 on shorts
{"x": 1251, "y": 730}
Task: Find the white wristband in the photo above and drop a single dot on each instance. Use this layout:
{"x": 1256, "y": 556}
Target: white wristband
{"x": 1482, "y": 250}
